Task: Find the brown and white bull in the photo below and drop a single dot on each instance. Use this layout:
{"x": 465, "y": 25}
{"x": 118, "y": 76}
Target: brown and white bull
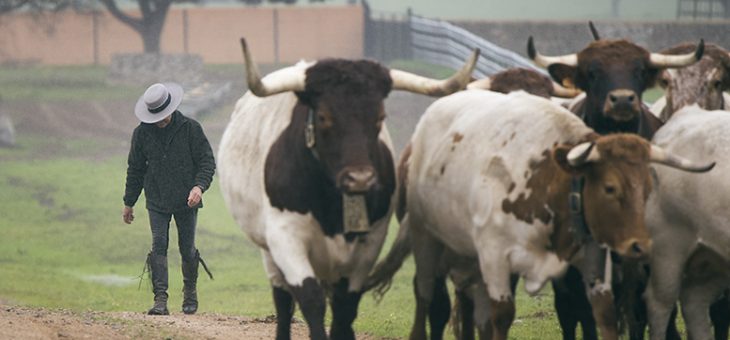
{"x": 305, "y": 149}
{"x": 471, "y": 299}
{"x": 489, "y": 177}
{"x": 690, "y": 225}
{"x": 703, "y": 83}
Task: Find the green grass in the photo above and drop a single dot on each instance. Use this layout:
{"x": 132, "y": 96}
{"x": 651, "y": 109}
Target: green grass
{"x": 63, "y": 243}
{"x": 55, "y": 83}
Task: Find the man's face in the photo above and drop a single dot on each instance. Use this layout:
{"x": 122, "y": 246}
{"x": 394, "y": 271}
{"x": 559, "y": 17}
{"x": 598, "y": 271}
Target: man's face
{"x": 163, "y": 123}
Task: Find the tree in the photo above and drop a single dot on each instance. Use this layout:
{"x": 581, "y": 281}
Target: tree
{"x": 149, "y": 26}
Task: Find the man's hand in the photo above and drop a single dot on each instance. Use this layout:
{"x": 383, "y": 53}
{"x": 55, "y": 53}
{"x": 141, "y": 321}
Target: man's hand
{"x": 196, "y": 194}
{"x": 128, "y": 214}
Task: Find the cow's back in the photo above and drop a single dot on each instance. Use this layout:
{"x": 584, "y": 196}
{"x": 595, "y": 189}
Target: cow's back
{"x": 695, "y": 201}
{"x": 474, "y": 149}
{"x": 255, "y": 124}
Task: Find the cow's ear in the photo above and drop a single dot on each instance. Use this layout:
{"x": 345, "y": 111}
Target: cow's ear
{"x": 563, "y": 74}
{"x": 306, "y": 97}
{"x": 560, "y": 156}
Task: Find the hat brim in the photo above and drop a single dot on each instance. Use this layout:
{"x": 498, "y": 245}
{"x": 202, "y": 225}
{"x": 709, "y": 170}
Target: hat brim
{"x": 145, "y": 116}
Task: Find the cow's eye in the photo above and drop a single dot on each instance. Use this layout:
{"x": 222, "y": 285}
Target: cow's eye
{"x": 609, "y": 190}
{"x": 717, "y": 84}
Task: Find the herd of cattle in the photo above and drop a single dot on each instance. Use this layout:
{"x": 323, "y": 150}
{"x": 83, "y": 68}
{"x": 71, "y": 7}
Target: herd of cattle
{"x": 621, "y": 206}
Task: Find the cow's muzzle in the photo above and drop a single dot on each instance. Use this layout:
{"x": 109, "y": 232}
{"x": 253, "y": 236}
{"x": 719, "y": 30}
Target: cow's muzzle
{"x": 622, "y": 105}
{"x": 357, "y": 180}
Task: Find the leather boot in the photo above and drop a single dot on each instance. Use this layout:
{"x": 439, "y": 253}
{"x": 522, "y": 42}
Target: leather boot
{"x": 190, "y": 279}
{"x": 158, "y": 271}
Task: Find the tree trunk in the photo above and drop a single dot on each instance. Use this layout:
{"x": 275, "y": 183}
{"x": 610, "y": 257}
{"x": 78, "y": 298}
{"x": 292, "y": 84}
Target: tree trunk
{"x": 149, "y": 26}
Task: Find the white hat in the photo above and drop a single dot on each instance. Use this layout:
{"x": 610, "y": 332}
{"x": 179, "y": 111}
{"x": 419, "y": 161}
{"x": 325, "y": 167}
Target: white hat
{"x": 159, "y": 101}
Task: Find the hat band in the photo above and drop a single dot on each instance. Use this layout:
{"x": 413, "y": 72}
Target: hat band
{"x": 161, "y": 107}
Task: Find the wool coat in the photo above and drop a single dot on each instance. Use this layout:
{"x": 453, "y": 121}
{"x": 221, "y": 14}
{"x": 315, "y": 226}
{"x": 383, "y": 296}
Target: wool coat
{"x": 167, "y": 162}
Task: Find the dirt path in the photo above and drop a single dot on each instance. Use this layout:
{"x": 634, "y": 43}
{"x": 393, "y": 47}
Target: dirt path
{"x": 41, "y": 323}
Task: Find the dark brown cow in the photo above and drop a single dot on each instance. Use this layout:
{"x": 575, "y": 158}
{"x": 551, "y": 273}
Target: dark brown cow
{"x": 306, "y": 169}
{"x": 614, "y": 74}
{"x": 516, "y": 79}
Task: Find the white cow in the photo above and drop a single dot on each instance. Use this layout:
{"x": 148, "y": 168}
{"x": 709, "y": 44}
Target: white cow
{"x": 689, "y": 221}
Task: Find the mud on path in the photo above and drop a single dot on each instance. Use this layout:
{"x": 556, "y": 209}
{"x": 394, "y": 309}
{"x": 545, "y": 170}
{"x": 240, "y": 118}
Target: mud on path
{"x": 42, "y": 323}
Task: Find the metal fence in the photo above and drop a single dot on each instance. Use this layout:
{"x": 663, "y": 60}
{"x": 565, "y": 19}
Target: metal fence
{"x": 436, "y": 42}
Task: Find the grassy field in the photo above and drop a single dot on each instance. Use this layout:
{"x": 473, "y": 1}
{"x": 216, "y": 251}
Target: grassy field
{"x": 64, "y": 243}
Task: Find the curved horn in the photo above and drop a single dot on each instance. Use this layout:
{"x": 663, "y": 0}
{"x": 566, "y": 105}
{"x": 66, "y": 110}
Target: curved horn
{"x": 564, "y": 92}
{"x": 482, "y": 84}
{"x": 583, "y": 153}
{"x": 659, "y": 155}
{"x": 659, "y": 60}
{"x": 414, "y": 83}
{"x": 594, "y": 32}
{"x": 545, "y": 61}
{"x": 291, "y": 78}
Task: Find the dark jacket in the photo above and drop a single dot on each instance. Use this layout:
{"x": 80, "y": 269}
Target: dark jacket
{"x": 167, "y": 163}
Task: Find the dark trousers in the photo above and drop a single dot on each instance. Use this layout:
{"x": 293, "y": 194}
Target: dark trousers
{"x": 185, "y": 221}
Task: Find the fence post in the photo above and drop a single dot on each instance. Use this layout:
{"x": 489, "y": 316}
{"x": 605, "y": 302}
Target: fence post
{"x": 185, "y": 31}
{"x": 276, "y": 35}
{"x": 409, "y": 37}
{"x": 95, "y": 34}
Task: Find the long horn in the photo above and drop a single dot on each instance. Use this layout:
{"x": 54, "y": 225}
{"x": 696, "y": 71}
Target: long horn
{"x": 291, "y": 78}
{"x": 659, "y": 60}
{"x": 661, "y": 156}
{"x": 594, "y": 32}
{"x": 564, "y": 92}
{"x": 414, "y": 83}
{"x": 482, "y": 84}
{"x": 545, "y": 61}
{"x": 583, "y": 153}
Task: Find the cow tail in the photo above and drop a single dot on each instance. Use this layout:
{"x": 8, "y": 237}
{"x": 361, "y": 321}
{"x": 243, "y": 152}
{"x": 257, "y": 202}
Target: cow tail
{"x": 456, "y": 317}
{"x": 381, "y": 277}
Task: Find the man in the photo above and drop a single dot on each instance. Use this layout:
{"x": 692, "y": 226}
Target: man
{"x": 170, "y": 158}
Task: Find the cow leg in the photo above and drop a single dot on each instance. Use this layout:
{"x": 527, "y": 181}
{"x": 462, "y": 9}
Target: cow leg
{"x": 496, "y": 275}
{"x": 283, "y": 300}
{"x": 344, "y": 310}
{"x": 572, "y": 306}
{"x": 696, "y": 300}
{"x": 418, "y": 329}
{"x": 465, "y": 306}
{"x": 289, "y": 252}
{"x": 663, "y": 288}
{"x": 310, "y": 297}
{"x": 720, "y": 316}
{"x": 439, "y": 309}
{"x": 284, "y": 303}
{"x": 427, "y": 253}
{"x": 482, "y": 315}
{"x": 503, "y": 313}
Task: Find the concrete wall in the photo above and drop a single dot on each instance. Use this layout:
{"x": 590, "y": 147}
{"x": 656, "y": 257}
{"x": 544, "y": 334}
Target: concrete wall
{"x": 278, "y": 34}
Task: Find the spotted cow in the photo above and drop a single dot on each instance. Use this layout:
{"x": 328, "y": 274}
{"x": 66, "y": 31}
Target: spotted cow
{"x": 488, "y": 179}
